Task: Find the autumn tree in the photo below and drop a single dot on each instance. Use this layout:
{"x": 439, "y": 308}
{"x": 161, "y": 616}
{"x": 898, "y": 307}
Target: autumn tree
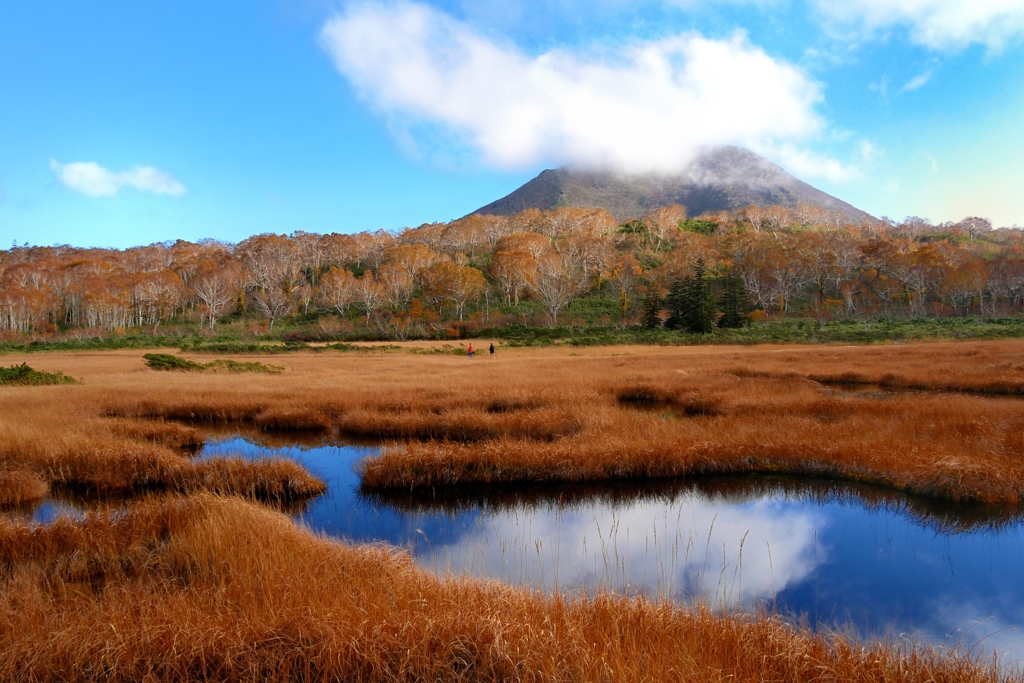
{"x": 311, "y": 252}
{"x": 775, "y": 218}
{"x": 369, "y": 294}
{"x": 755, "y": 216}
{"x": 339, "y": 289}
{"x": 271, "y": 261}
{"x": 787, "y": 264}
{"x": 875, "y": 268}
{"x": 372, "y": 246}
{"x": 272, "y": 302}
{"x": 623, "y": 276}
{"x": 1007, "y": 279}
{"x": 412, "y": 258}
{"x": 155, "y": 296}
{"x": 495, "y": 227}
{"x": 339, "y": 250}
{"x": 534, "y": 244}
{"x": 465, "y": 235}
{"x": 513, "y": 272}
{"x": 396, "y": 284}
{"x": 555, "y": 284}
{"x": 664, "y": 223}
{"x": 975, "y": 226}
{"x": 447, "y": 282}
{"x": 216, "y": 286}
{"x": 965, "y": 284}
{"x": 584, "y": 258}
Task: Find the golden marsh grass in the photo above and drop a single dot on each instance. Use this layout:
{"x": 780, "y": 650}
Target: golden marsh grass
{"x": 189, "y": 585}
{"x": 210, "y": 588}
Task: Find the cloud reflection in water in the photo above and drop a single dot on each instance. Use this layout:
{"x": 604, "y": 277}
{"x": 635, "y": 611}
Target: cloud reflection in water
{"x": 694, "y": 547}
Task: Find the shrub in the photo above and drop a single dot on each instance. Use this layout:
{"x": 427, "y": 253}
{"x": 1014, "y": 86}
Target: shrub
{"x": 25, "y": 375}
{"x": 165, "y": 361}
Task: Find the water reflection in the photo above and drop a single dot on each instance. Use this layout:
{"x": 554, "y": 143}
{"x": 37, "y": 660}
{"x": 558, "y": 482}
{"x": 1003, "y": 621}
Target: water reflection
{"x": 944, "y": 517}
{"x": 46, "y": 510}
{"x": 691, "y": 548}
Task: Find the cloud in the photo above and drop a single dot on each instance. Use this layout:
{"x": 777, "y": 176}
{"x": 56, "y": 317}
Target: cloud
{"x": 702, "y": 4}
{"x": 916, "y": 82}
{"x": 869, "y": 151}
{"x": 881, "y": 87}
{"x": 804, "y": 163}
{"x": 937, "y": 24}
{"x": 644, "y": 106}
{"x": 93, "y": 180}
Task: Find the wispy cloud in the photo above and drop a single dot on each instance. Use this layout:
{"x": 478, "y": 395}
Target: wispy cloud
{"x": 916, "y": 82}
{"x": 647, "y": 106}
{"x": 93, "y": 180}
{"x": 881, "y": 87}
{"x": 937, "y": 24}
{"x": 869, "y": 151}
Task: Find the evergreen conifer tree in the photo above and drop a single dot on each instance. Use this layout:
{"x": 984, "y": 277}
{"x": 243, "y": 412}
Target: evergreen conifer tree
{"x": 678, "y": 305}
{"x": 691, "y": 302}
{"x": 699, "y": 307}
{"x": 651, "y": 307}
{"x": 733, "y": 301}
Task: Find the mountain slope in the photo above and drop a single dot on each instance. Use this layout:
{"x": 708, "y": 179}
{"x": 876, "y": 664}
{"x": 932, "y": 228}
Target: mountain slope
{"x": 723, "y": 178}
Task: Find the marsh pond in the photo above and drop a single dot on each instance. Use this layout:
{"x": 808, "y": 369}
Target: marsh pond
{"x": 839, "y": 556}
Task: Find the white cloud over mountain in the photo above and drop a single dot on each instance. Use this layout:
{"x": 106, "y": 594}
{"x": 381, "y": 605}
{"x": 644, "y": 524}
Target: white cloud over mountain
{"x": 937, "y": 24}
{"x": 644, "y": 106}
{"x": 93, "y": 180}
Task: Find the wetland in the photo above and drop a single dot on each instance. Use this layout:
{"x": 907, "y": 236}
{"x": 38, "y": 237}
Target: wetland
{"x": 669, "y": 513}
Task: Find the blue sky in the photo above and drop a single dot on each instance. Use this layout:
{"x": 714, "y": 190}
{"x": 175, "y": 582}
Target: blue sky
{"x": 126, "y": 123}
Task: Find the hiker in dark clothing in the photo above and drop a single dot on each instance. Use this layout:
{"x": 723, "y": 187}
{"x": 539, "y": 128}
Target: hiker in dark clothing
{"x": 492, "y": 349}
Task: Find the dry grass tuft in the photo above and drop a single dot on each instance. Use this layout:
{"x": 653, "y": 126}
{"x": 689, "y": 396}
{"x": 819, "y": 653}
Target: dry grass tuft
{"x": 275, "y": 480}
{"x": 170, "y": 434}
{"x": 20, "y": 485}
{"x": 286, "y": 419}
{"x": 206, "y": 588}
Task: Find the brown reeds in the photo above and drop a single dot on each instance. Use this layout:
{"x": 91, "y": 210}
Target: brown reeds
{"x": 598, "y": 414}
{"x": 992, "y": 368}
{"x": 20, "y": 485}
{"x": 954, "y": 447}
{"x": 170, "y": 434}
{"x": 275, "y": 480}
{"x": 57, "y": 437}
{"x": 207, "y": 588}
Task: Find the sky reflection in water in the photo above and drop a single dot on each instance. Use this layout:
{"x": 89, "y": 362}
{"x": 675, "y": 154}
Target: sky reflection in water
{"x": 878, "y": 561}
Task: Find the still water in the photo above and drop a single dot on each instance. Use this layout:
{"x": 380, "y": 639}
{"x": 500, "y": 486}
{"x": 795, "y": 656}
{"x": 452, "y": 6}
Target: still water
{"x": 836, "y": 555}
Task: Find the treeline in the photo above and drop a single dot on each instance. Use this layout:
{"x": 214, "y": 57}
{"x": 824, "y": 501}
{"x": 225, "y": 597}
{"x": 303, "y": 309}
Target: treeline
{"x": 756, "y": 263}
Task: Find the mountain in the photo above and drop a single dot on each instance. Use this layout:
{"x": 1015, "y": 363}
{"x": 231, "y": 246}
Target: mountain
{"x": 722, "y": 178}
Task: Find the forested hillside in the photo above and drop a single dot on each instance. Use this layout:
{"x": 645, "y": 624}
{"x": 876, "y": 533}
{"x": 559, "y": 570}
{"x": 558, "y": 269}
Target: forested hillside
{"x": 576, "y": 266}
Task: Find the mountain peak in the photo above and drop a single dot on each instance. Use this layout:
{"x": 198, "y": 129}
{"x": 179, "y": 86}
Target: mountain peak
{"x": 721, "y": 178}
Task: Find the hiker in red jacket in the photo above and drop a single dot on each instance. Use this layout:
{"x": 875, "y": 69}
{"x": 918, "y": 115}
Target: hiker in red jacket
{"x": 470, "y": 351}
